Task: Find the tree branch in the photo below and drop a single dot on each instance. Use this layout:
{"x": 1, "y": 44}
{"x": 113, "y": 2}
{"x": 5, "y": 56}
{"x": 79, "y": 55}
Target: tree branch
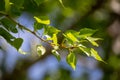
{"x": 23, "y": 27}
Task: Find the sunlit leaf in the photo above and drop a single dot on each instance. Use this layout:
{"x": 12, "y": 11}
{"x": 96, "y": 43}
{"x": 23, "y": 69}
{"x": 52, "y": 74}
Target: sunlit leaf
{"x": 56, "y": 54}
{"x": 7, "y": 5}
{"x": 95, "y": 54}
{"x": 85, "y": 50}
{"x": 92, "y": 40}
{"x": 54, "y": 38}
{"x": 71, "y": 60}
{"x": 40, "y": 50}
{"x": 75, "y": 33}
{"x": 70, "y": 36}
{"x": 49, "y": 30}
{"x": 47, "y": 22}
{"x": 52, "y": 35}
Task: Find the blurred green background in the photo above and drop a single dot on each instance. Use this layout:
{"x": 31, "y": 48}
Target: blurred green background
{"x": 103, "y": 15}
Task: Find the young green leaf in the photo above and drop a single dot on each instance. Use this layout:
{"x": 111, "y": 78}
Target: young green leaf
{"x": 46, "y": 22}
{"x": 95, "y": 54}
{"x": 71, "y": 60}
{"x": 40, "y": 50}
{"x": 56, "y": 54}
{"x": 54, "y": 38}
{"x": 75, "y": 33}
{"x": 7, "y": 5}
{"x": 49, "y": 30}
{"x": 86, "y": 32}
{"x": 92, "y": 40}
{"x": 71, "y": 37}
{"x": 38, "y": 26}
{"x": 85, "y": 50}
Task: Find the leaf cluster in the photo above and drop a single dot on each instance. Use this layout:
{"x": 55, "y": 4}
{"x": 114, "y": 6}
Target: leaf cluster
{"x": 71, "y": 39}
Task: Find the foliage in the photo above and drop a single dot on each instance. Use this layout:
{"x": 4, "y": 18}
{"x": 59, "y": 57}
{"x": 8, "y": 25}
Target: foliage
{"x": 71, "y": 39}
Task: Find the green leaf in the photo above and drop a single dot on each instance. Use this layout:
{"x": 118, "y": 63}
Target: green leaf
{"x": 85, "y": 50}
{"x": 54, "y": 38}
{"x": 71, "y": 60}
{"x": 7, "y": 5}
{"x": 56, "y": 54}
{"x": 40, "y": 50}
{"x": 38, "y": 26}
{"x": 17, "y": 43}
{"x": 86, "y": 32}
{"x": 6, "y": 35}
{"x": 9, "y": 25}
{"x": 71, "y": 37}
{"x": 49, "y": 30}
{"x": 92, "y": 40}
{"x": 75, "y": 33}
{"x": 46, "y": 22}
{"x": 95, "y": 54}
{"x": 51, "y": 34}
